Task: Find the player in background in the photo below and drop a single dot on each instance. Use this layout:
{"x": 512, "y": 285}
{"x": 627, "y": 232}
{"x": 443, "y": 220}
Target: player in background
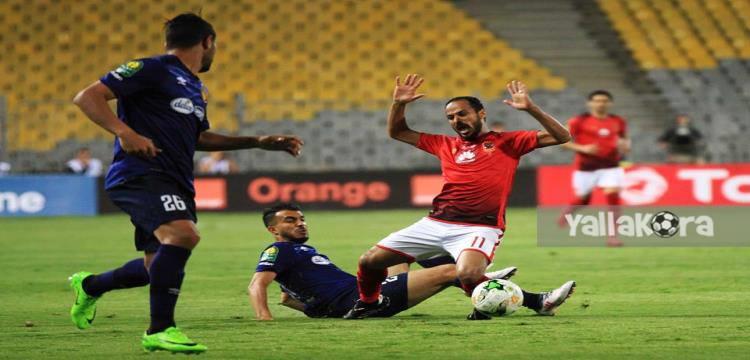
{"x": 467, "y": 220}
{"x": 161, "y": 120}
{"x": 599, "y": 141}
{"x": 311, "y": 283}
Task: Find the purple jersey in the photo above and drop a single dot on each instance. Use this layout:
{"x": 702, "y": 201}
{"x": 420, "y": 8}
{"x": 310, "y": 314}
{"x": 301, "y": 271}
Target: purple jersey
{"x": 305, "y": 274}
{"x": 163, "y": 100}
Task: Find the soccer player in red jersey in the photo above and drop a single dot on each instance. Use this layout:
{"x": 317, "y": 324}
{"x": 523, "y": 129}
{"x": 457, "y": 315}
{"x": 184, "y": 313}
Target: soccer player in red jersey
{"x": 599, "y": 141}
{"x": 467, "y": 220}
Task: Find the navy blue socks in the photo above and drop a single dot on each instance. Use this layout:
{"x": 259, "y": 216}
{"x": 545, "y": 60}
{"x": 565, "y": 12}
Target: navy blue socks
{"x": 131, "y": 274}
{"x": 532, "y": 301}
{"x": 167, "y": 272}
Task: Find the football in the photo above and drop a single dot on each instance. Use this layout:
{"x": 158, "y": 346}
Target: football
{"x": 665, "y": 224}
{"x": 497, "y": 297}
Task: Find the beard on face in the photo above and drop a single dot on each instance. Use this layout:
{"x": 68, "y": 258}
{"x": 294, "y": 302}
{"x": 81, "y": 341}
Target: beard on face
{"x": 468, "y": 131}
{"x": 297, "y": 239}
{"x": 206, "y": 61}
{"x": 205, "y": 66}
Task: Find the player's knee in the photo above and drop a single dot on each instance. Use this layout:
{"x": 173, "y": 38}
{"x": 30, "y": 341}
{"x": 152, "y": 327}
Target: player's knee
{"x": 191, "y": 240}
{"x": 366, "y": 260}
{"x": 188, "y": 239}
{"x": 374, "y": 259}
{"x": 469, "y": 275}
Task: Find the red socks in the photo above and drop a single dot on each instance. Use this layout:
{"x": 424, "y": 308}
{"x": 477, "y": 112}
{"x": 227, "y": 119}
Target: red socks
{"x": 572, "y": 207}
{"x": 613, "y": 199}
{"x": 369, "y": 282}
{"x": 613, "y": 202}
{"x": 469, "y": 288}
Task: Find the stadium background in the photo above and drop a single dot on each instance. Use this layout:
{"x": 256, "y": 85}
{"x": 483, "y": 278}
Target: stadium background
{"x": 323, "y": 70}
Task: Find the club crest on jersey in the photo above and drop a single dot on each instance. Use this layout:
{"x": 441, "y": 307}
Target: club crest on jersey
{"x": 182, "y": 105}
{"x": 603, "y": 132}
{"x": 488, "y": 146}
{"x": 466, "y": 156}
{"x": 319, "y": 260}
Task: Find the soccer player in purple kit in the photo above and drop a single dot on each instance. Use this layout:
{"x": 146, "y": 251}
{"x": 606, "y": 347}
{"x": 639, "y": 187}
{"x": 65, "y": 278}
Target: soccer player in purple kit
{"x": 161, "y": 120}
{"x": 313, "y": 284}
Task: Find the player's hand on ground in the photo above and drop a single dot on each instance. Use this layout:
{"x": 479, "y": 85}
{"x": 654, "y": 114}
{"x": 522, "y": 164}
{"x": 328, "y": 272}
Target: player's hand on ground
{"x": 407, "y": 92}
{"x": 291, "y": 144}
{"x": 519, "y": 96}
{"x": 134, "y": 144}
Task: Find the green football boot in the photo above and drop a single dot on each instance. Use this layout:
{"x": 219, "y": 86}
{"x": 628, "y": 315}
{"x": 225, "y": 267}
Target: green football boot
{"x": 83, "y": 311}
{"x": 172, "y": 340}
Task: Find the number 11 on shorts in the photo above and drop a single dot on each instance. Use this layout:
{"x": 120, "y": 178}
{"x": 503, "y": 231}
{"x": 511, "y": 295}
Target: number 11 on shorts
{"x": 478, "y": 242}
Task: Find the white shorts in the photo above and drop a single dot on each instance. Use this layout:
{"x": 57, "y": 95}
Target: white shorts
{"x": 584, "y": 182}
{"x": 428, "y": 238}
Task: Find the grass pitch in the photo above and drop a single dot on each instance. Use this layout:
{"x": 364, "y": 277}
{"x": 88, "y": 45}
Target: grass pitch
{"x": 630, "y": 302}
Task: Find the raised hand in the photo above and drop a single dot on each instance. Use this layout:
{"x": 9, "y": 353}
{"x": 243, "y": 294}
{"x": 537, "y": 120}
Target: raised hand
{"x": 407, "y": 92}
{"x": 291, "y": 144}
{"x": 519, "y": 96}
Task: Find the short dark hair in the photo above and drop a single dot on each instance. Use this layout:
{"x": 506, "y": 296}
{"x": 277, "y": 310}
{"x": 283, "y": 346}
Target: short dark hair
{"x": 270, "y": 213}
{"x": 474, "y": 102}
{"x": 187, "y": 30}
{"x": 601, "y": 92}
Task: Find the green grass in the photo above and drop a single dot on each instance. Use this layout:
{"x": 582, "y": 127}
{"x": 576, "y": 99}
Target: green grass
{"x": 630, "y": 302}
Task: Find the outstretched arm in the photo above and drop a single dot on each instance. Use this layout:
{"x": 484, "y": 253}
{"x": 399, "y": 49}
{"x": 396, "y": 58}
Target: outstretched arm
{"x": 402, "y": 95}
{"x": 258, "y": 291}
{"x": 589, "y": 149}
{"x": 554, "y": 133}
{"x": 210, "y": 141}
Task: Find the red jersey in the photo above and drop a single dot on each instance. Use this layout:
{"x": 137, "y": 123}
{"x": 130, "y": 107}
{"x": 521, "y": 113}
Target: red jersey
{"x": 478, "y": 174}
{"x": 605, "y": 133}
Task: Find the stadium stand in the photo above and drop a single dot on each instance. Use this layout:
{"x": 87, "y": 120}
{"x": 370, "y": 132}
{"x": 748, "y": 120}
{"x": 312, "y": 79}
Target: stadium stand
{"x": 591, "y": 59}
{"x": 324, "y": 69}
{"x": 698, "y": 54}
{"x": 278, "y": 60}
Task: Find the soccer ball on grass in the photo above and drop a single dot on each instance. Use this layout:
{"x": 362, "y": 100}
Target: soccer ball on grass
{"x": 497, "y": 297}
